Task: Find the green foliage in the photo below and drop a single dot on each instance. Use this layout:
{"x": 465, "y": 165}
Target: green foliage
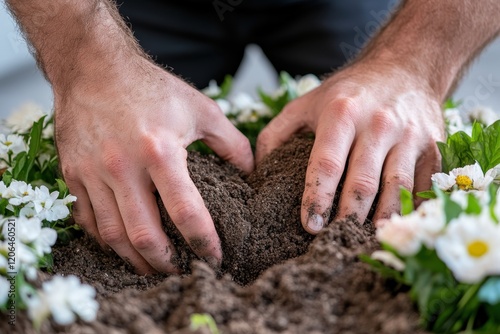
{"x": 461, "y": 149}
{"x": 203, "y": 320}
{"x": 406, "y": 202}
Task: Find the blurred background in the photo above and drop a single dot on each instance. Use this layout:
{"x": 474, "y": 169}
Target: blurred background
{"x": 22, "y": 82}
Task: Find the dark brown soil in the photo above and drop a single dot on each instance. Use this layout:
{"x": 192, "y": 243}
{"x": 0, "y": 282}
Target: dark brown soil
{"x": 275, "y": 278}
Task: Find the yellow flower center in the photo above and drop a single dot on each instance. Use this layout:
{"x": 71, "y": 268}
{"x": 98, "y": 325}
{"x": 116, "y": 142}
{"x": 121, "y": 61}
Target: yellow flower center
{"x": 464, "y": 182}
{"x": 8, "y": 143}
{"x": 477, "y": 248}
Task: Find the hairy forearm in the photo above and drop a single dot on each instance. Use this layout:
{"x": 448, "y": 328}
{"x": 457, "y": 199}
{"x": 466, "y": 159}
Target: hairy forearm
{"x": 436, "y": 40}
{"x": 75, "y": 40}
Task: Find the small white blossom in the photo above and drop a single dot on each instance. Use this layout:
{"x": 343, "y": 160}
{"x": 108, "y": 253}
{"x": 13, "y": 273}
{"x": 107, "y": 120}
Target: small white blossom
{"x": 48, "y": 131}
{"x": 22, "y": 119}
{"x": 12, "y": 143}
{"x": 470, "y": 177}
{"x": 307, "y": 83}
{"x": 401, "y": 233}
{"x": 389, "y": 259}
{"x": 432, "y": 221}
{"x": 470, "y": 247}
{"x": 483, "y": 115}
{"x": 224, "y": 105}
{"x": 43, "y": 199}
{"x": 64, "y": 298}
{"x": 18, "y": 192}
{"x": 212, "y": 90}
{"x": 58, "y": 211}
{"x": 454, "y": 121}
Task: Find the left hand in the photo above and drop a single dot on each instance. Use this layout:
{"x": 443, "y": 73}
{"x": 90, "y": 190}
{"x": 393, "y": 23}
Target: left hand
{"x": 375, "y": 121}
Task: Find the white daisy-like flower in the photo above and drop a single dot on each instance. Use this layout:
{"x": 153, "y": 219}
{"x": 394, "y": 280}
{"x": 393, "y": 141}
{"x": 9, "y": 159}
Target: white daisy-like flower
{"x": 58, "y": 211}
{"x": 454, "y": 121}
{"x": 65, "y": 298}
{"x": 22, "y": 119}
{"x": 401, "y": 233}
{"x": 242, "y": 101}
{"x": 431, "y": 221}
{"x": 483, "y": 115}
{"x": 389, "y": 259}
{"x": 12, "y": 143}
{"x": 461, "y": 197}
{"x": 470, "y": 248}
{"x": 43, "y": 199}
{"x": 470, "y": 177}
{"x": 18, "y": 192}
{"x": 212, "y": 90}
{"x": 306, "y": 84}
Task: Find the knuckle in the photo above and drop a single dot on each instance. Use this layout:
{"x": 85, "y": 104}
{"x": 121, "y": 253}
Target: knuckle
{"x": 384, "y": 122}
{"x": 329, "y": 165}
{"x": 344, "y": 108}
{"x": 183, "y": 214}
{"x": 402, "y": 179}
{"x": 141, "y": 239}
{"x": 115, "y": 163}
{"x": 112, "y": 236}
{"x": 365, "y": 185}
{"x": 153, "y": 148}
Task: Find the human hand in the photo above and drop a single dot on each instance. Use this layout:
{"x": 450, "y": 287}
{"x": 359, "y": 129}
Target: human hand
{"x": 378, "y": 122}
{"x": 122, "y": 137}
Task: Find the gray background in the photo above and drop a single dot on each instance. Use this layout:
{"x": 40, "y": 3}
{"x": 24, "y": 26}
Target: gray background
{"x": 21, "y": 81}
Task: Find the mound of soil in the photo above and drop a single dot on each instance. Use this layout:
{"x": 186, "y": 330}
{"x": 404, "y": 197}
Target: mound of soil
{"x": 275, "y": 277}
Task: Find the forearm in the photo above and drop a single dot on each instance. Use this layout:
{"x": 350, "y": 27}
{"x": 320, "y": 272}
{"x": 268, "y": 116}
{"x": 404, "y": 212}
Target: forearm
{"x": 436, "y": 40}
{"x": 75, "y": 41}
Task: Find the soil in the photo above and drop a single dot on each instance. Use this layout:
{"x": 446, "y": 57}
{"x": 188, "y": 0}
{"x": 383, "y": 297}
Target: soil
{"x": 275, "y": 277}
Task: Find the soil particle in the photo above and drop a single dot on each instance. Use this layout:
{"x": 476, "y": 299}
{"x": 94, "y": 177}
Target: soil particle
{"x": 274, "y": 278}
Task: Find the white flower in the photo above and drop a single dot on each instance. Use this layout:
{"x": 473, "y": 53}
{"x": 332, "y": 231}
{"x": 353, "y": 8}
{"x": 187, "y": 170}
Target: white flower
{"x": 43, "y": 199}
{"x": 4, "y": 289}
{"x": 454, "y": 121}
{"x": 483, "y": 115}
{"x": 18, "y": 192}
{"x": 48, "y": 131}
{"x": 431, "y": 221}
{"x": 242, "y": 101}
{"x": 212, "y": 90}
{"x": 12, "y": 143}
{"x": 389, "y": 259}
{"x": 224, "y": 105}
{"x": 22, "y": 119}
{"x": 470, "y": 177}
{"x": 307, "y": 83}
{"x": 470, "y": 247}
{"x": 57, "y": 211}
{"x": 461, "y": 197}
{"x": 401, "y": 233}
{"x": 65, "y": 297}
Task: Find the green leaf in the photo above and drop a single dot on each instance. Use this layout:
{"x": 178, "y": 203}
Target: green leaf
{"x": 225, "y": 87}
{"x": 203, "y": 320}
{"x": 486, "y": 147}
{"x": 407, "y": 206}
{"x": 428, "y": 194}
{"x": 450, "y": 104}
{"x": 456, "y": 152}
{"x": 473, "y": 205}
{"x": 62, "y": 188}
{"x": 451, "y": 209}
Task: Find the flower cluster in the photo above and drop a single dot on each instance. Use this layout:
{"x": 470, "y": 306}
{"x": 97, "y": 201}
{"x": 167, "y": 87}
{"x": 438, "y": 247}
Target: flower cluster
{"x": 448, "y": 249}
{"x": 34, "y": 207}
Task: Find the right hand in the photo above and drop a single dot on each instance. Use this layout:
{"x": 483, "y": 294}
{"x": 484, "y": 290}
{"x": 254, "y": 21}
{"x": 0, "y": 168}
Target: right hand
{"x": 120, "y": 137}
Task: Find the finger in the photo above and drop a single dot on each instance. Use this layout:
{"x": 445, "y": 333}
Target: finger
{"x": 111, "y": 228}
{"x": 289, "y": 121}
{"x": 141, "y": 217}
{"x": 229, "y": 143}
{"x": 399, "y": 171}
{"x": 428, "y": 164}
{"x": 326, "y": 165}
{"x": 185, "y": 205}
{"x": 83, "y": 213}
{"x": 363, "y": 177}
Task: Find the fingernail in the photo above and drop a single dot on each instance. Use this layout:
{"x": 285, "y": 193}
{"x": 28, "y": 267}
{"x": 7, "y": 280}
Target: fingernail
{"x": 315, "y": 222}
